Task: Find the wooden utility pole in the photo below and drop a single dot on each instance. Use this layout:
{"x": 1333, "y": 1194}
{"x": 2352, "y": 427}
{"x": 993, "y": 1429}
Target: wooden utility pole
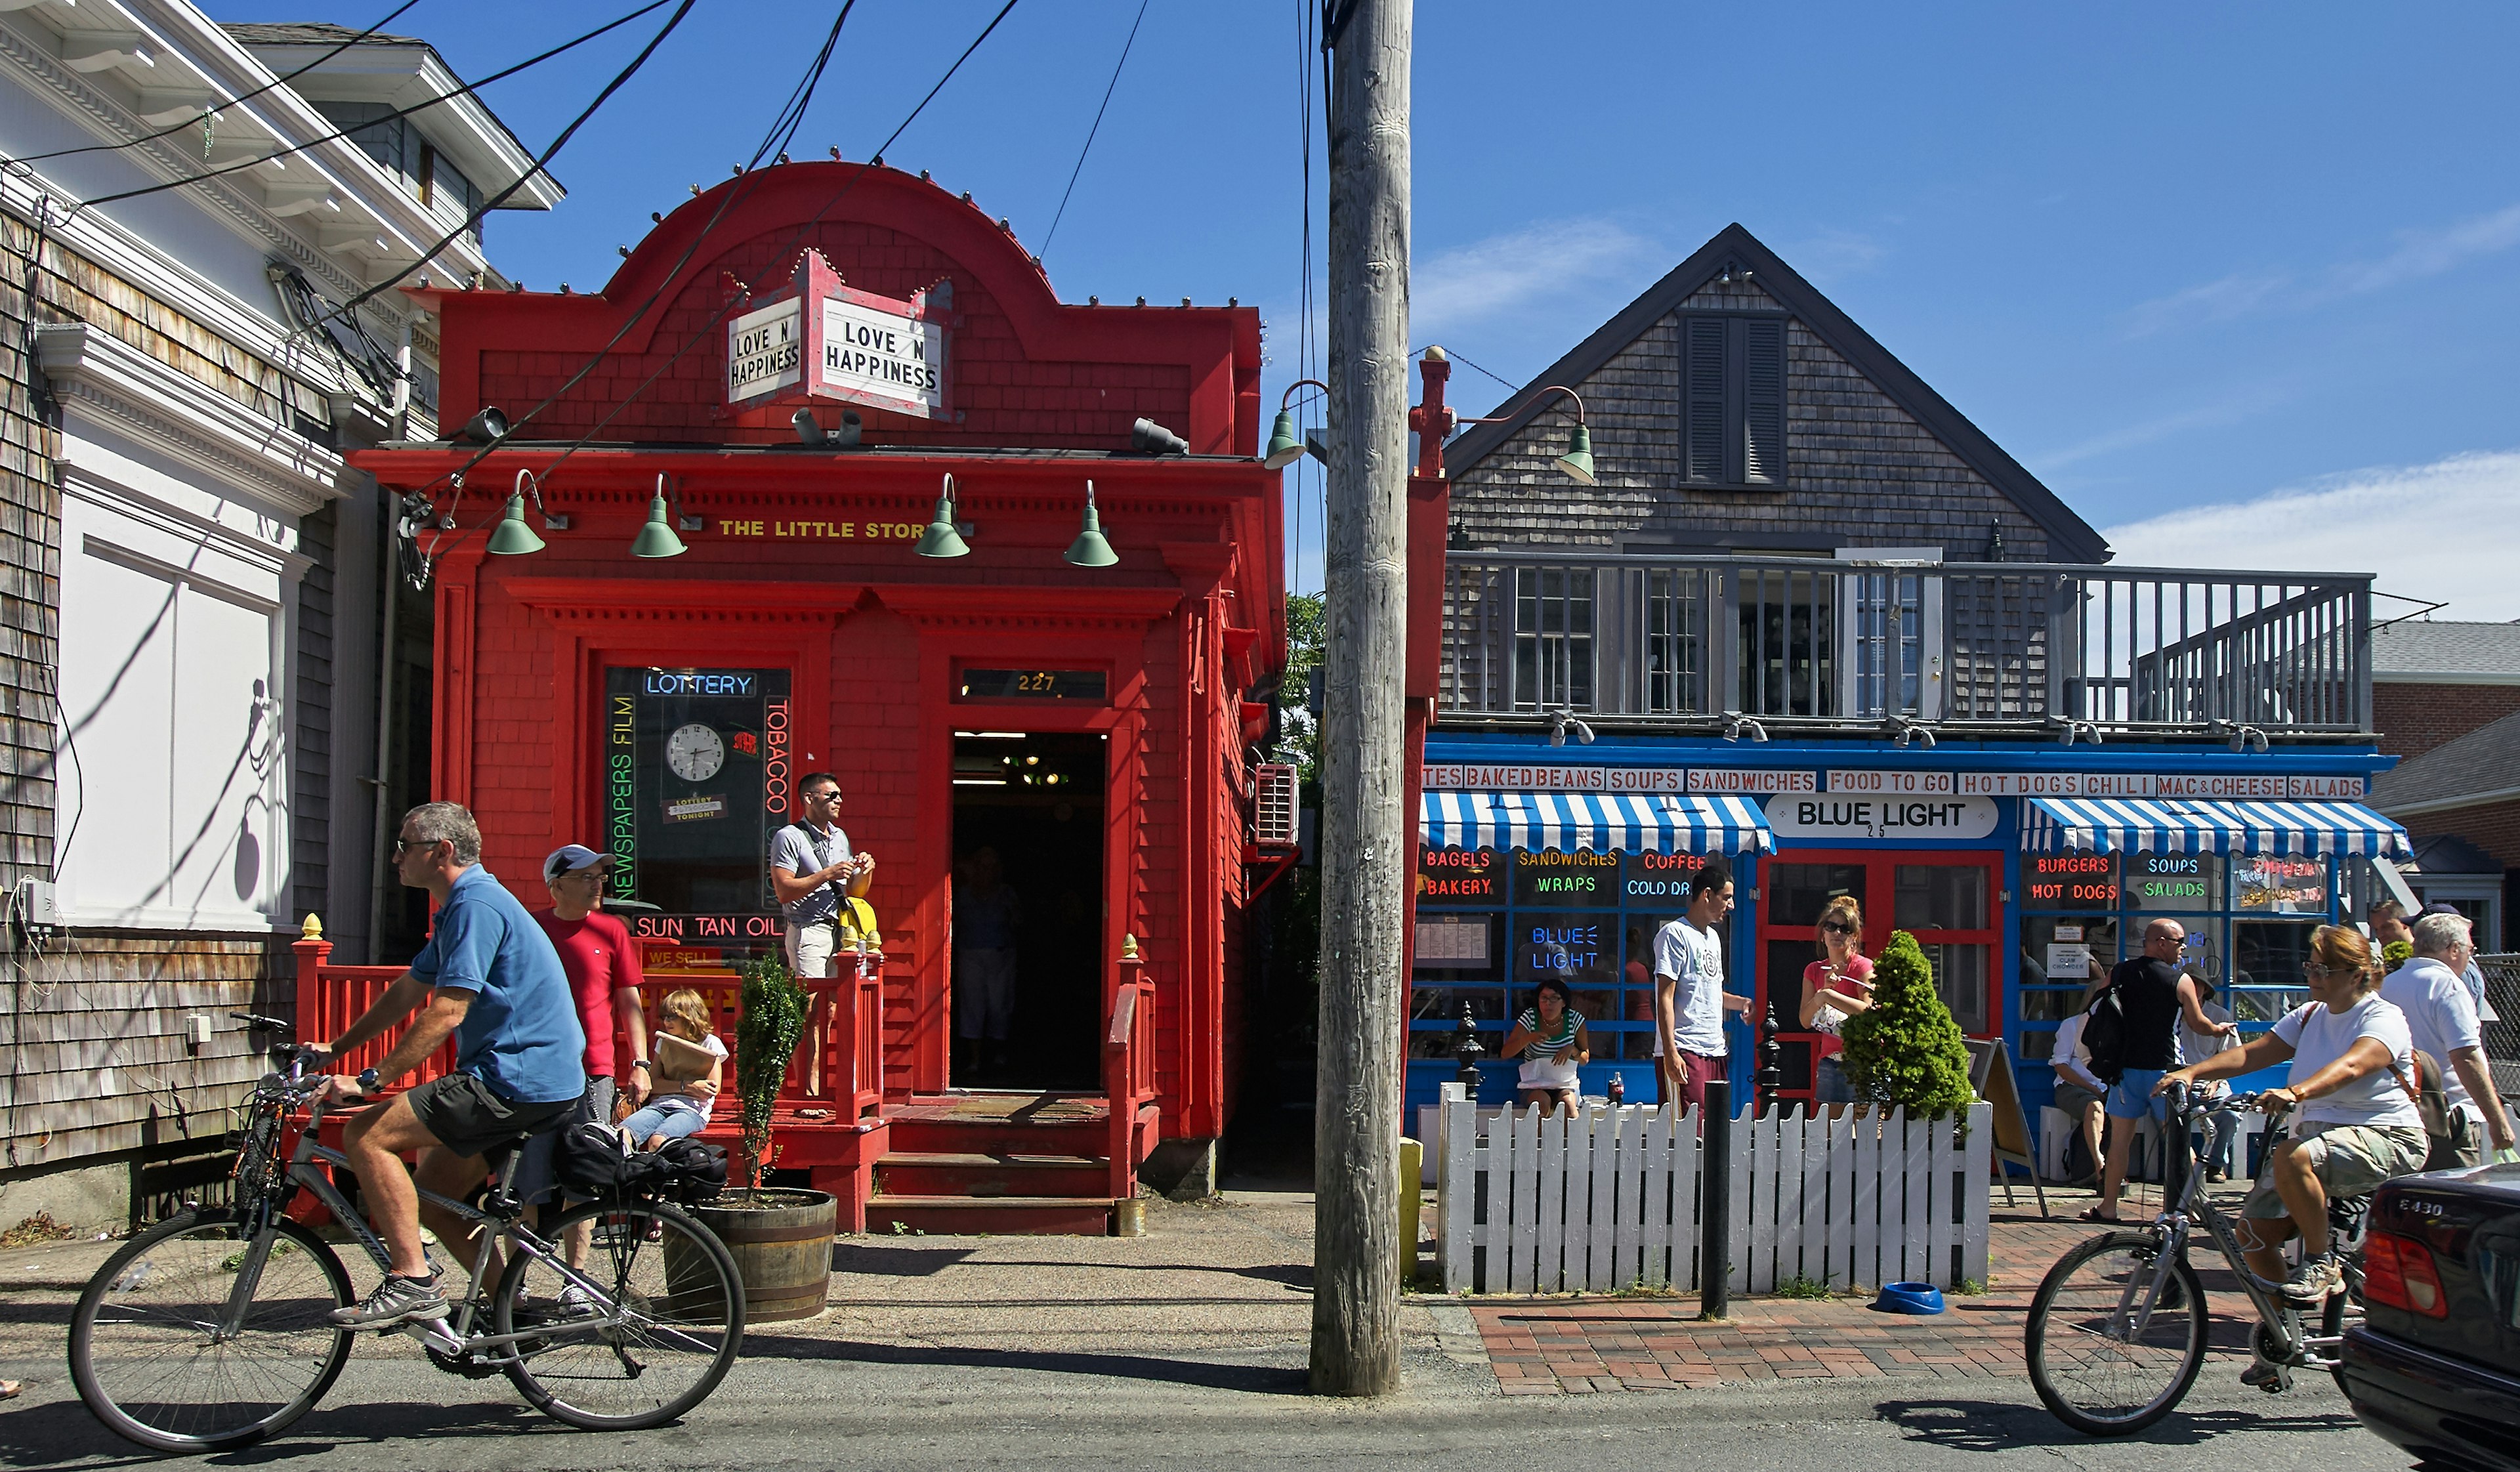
{"x": 1365, "y": 840}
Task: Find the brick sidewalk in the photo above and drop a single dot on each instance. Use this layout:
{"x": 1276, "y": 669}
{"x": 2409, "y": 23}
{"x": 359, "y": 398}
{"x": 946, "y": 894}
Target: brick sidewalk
{"x": 1561, "y": 1346}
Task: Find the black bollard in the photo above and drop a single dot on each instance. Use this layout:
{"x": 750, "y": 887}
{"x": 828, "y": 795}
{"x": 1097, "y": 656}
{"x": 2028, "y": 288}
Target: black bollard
{"x": 1466, "y": 1052}
{"x": 1715, "y": 1202}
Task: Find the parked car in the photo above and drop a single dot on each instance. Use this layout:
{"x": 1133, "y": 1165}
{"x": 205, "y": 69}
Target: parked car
{"x": 2435, "y": 1365}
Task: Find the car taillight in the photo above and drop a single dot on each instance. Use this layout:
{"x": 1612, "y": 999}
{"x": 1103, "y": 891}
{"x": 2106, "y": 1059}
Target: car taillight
{"x": 2397, "y": 1272}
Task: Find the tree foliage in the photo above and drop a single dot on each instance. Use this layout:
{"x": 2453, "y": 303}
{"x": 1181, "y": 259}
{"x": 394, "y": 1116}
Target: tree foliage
{"x": 1905, "y": 1052}
{"x": 765, "y": 1041}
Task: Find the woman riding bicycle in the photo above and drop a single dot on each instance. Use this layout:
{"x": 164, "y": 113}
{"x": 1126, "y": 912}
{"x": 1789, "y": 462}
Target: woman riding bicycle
{"x": 2353, "y": 1063}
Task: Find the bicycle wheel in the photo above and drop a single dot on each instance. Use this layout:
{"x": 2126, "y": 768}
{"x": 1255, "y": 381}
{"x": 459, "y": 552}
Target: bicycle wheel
{"x": 2096, "y": 1376}
{"x": 660, "y": 1332}
{"x": 148, "y": 1355}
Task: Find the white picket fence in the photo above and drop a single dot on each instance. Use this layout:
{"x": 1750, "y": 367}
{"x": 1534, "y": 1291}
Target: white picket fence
{"x": 1608, "y": 1199}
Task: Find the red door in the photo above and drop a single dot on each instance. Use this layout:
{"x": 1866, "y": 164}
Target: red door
{"x": 1950, "y": 900}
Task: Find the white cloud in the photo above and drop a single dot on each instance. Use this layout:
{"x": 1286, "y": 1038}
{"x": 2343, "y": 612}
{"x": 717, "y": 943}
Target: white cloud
{"x": 2229, "y": 410}
{"x": 2419, "y": 253}
{"x": 2214, "y": 301}
{"x": 2430, "y": 252}
{"x": 2443, "y": 531}
{"x": 1478, "y": 281}
{"x": 1835, "y": 255}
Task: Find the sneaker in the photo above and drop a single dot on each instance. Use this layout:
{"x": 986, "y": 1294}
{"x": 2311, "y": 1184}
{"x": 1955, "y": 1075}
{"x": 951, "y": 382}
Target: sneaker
{"x": 2263, "y": 1374}
{"x": 576, "y": 1302}
{"x": 2315, "y": 1280}
{"x": 397, "y": 1299}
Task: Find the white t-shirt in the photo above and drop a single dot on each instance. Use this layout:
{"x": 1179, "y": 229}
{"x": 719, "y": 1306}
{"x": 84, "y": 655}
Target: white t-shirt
{"x": 2070, "y": 1059}
{"x": 2195, "y": 1047}
{"x": 1695, "y": 959}
{"x": 2320, "y": 1037}
{"x": 2441, "y": 1017}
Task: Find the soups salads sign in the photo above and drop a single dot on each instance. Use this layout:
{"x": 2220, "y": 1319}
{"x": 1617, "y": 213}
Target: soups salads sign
{"x": 818, "y": 338}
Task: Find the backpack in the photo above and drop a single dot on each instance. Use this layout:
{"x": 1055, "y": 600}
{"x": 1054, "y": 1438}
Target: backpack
{"x": 2432, "y": 1104}
{"x": 683, "y": 1171}
{"x": 2104, "y": 1034}
{"x": 593, "y": 1159}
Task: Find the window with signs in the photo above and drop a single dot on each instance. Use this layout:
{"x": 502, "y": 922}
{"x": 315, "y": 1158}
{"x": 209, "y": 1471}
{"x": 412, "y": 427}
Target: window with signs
{"x": 1732, "y": 419}
{"x": 1552, "y": 637}
{"x": 1493, "y": 923}
{"x": 2248, "y": 921}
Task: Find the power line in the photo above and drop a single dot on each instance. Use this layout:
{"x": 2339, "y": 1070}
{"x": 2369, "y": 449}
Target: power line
{"x": 1097, "y": 128}
{"x": 1475, "y": 368}
{"x": 420, "y": 106}
{"x": 212, "y": 113}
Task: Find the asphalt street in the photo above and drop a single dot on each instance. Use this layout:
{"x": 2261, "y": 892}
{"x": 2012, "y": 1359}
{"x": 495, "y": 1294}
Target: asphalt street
{"x": 1183, "y": 1347}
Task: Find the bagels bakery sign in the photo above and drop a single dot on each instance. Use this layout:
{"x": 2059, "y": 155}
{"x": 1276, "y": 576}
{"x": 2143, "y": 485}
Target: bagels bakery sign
{"x": 819, "y": 339}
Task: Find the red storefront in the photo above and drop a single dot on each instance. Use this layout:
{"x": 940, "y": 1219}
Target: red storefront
{"x": 1092, "y": 725}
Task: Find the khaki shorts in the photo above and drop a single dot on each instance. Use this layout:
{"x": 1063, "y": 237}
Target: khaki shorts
{"x": 2349, "y": 1160}
{"x": 809, "y": 949}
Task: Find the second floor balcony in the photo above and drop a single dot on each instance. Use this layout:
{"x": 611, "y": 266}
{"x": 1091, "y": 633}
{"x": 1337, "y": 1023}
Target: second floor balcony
{"x": 1754, "y": 645}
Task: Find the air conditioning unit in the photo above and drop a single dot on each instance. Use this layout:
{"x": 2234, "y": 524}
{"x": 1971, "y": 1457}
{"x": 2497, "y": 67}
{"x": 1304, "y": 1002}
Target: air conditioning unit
{"x": 1272, "y": 806}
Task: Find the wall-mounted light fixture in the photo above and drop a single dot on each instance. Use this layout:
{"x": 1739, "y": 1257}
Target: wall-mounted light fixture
{"x": 1285, "y": 449}
{"x": 1562, "y": 721}
{"x": 943, "y": 539}
{"x": 656, "y": 539}
{"x": 811, "y": 434}
{"x": 1148, "y": 438}
{"x": 513, "y": 537}
{"x": 1577, "y": 462}
{"x": 487, "y": 426}
{"x": 1736, "y": 725}
{"x": 1902, "y": 730}
{"x": 1090, "y": 548}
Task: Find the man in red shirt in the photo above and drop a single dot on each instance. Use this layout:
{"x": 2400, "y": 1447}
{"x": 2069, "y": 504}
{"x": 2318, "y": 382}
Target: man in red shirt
{"x": 604, "y": 976}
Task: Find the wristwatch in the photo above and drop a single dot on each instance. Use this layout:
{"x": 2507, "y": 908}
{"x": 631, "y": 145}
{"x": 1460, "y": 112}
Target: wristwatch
{"x": 638, "y": 1063}
{"x": 368, "y": 1081}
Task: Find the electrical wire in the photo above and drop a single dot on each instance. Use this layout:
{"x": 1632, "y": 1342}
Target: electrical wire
{"x": 1044, "y": 253}
{"x": 1475, "y": 368}
{"x": 702, "y": 331}
{"x": 466, "y": 90}
{"x": 210, "y": 114}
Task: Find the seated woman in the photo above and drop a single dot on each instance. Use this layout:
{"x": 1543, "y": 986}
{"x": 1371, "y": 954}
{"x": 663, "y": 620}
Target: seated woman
{"x": 1836, "y": 987}
{"x": 1551, "y": 1038}
{"x": 2356, "y": 1124}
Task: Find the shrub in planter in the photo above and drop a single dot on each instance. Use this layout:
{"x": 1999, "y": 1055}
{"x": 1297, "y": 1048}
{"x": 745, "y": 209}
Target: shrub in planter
{"x": 1905, "y": 1052}
{"x": 765, "y": 1041}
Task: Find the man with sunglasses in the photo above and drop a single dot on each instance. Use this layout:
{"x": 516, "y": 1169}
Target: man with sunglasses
{"x": 2153, "y": 996}
{"x": 812, "y": 868}
{"x": 491, "y": 981}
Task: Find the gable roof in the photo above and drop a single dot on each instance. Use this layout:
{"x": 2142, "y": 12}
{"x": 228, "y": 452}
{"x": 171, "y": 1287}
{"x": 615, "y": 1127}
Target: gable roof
{"x": 2482, "y": 766}
{"x": 2070, "y": 538}
{"x": 2450, "y": 651}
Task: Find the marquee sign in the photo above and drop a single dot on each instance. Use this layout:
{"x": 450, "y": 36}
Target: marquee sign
{"x": 819, "y": 339}
{"x": 1510, "y": 776}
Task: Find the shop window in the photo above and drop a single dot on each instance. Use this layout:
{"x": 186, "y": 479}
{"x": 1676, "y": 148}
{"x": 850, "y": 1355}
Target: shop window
{"x": 1785, "y": 642}
{"x": 1941, "y": 897}
{"x": 1552, "y": 637}
{"x": 1795, "y": 894}
{"x": 698, "y": 768}
{"x": 1733, "y": 416}
{"x": 1960, "y": 977}
{"x": 1889, "y": 643}
{"x": 2174, "y": 883}
{"x": 1675, "y": 635}
{"x": 2267, "y": 958}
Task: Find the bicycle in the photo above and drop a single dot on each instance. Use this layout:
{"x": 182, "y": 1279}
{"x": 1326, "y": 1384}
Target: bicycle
{"x": 212, "y": 1330}
{"x": 2117, "y": 1331}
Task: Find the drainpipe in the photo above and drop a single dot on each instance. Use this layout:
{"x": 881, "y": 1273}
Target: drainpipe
{"x": 388, "y": 573}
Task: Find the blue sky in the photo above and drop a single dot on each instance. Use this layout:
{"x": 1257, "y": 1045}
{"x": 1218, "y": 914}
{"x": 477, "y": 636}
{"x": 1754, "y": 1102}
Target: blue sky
{"x": 2238, "y": 282}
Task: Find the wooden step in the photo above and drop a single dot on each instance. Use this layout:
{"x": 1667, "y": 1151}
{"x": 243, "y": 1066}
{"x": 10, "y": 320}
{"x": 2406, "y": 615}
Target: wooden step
{"x": 982, "y": 1173}
{"x": 1000, "y": 1216}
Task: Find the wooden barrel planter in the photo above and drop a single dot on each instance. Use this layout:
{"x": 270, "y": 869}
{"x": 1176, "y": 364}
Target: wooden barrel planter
{"x": 782, "y": 1244}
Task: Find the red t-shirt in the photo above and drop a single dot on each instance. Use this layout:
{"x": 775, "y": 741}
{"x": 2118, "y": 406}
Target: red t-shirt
{"x": 1856, "y": 982}
{"x": 599, "y": 957}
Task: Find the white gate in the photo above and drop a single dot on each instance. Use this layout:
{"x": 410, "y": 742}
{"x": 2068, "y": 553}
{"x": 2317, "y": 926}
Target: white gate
{"x": 1607, "y": 1199}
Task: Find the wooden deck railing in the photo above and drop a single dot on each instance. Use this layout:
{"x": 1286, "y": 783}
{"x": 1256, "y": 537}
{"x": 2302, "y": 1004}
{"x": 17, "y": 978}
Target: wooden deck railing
{"x": 1129, "y": 1072}
{"x": 330, "y": 998}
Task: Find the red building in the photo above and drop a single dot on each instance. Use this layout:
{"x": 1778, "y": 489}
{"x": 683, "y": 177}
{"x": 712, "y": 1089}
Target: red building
{"x": 1096, "y": 726}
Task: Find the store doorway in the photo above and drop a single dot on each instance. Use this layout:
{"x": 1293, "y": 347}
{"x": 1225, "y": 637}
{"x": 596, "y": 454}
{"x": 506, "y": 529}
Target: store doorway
{"x": 1026, "y": 981}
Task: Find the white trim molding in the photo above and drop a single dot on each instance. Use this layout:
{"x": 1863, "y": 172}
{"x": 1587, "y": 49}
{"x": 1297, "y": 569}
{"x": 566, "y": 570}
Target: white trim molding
{"x": 185, "y": 420}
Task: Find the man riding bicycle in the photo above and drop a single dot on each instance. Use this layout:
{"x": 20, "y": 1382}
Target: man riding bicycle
{"x": 2352, "y": 1087}
{"x": 492, "y": 981}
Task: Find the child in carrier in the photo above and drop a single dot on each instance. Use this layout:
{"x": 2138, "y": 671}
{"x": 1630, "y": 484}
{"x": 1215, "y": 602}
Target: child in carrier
{"x": 690, "y": 1066}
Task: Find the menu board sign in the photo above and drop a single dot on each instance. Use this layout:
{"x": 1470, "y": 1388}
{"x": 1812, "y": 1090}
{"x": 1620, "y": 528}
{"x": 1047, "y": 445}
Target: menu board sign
{"x": 2281, "y": 885}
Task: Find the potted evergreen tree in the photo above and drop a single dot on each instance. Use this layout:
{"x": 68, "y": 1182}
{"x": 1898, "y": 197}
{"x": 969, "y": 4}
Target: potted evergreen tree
{"x": 785, "y": 1263}
{"x": 1906, "y": 1051}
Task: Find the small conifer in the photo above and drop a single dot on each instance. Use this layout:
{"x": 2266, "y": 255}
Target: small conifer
{"x": 1906, "y": 1051}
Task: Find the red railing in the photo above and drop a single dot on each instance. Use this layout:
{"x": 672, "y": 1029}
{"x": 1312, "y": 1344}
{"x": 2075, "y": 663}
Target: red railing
{"x": 840, "y": 1063}
{"x": 330, "y": 998}
{"x": 1128, "y": 1071}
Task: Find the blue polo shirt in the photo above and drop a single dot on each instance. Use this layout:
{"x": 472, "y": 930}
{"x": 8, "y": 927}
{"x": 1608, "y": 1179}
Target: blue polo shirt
{"x": 521, "y": 1036}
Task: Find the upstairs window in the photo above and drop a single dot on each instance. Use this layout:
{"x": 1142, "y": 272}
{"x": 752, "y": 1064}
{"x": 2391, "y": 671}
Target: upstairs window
{"x": 1732, "y": 416}
{"x": 399, "y": 148}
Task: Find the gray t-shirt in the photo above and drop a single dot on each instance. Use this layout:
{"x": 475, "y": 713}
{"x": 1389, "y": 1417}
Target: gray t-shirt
{"x": 799, "y": 850}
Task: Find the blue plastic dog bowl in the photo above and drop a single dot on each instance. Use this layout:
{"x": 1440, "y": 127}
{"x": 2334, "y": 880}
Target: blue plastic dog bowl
{"x": 1910, "y": 1298}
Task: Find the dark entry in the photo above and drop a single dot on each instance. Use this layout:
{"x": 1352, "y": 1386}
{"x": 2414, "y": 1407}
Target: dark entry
{"x": 1026, "y": 982}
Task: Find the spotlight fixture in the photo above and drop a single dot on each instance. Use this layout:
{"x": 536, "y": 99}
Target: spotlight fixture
{"x": 813, "y": 436}
{"x": 1148, "y": 438}
{"x": 809, "y": 430}
{"x": 1090, "y": 548}
{"x": 1736, "y": 725}
{"x": 1902, "y": 730}
{"x": 942, "y": 539}
{"x": 2069, "y": 731}
{"x": 1564, "y": 720}
{"x": 487, "y": 426}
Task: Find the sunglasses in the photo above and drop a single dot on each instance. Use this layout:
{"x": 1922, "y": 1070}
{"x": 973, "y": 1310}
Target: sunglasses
{"x": 406, "y": 845}
{"x": 1834, "y": 928}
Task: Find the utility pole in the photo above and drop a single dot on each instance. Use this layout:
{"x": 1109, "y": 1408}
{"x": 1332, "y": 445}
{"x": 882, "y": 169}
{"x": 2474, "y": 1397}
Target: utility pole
{"x": 1365, "y": 842}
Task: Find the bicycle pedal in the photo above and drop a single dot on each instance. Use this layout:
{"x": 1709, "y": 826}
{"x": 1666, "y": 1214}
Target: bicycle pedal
{"x": 2281, "y": 1382}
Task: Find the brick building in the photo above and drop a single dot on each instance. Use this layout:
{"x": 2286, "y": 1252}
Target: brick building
{"x": 2465, "y": 788}
{"x": 841, "y": 363}
{"x": 191, "y": 612}
{"x": 2434, "y": 681}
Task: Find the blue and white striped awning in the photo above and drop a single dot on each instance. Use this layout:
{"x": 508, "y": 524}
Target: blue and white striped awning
{"x": 2183, "y": 826}
{"x": 1652, "y": 823}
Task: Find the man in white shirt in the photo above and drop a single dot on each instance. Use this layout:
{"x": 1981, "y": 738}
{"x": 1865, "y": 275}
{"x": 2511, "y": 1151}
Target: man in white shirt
{"x": 2079, "y": 1093}
{"x": 1690, "y": 1000}
{"x": 2441, "y": 1019}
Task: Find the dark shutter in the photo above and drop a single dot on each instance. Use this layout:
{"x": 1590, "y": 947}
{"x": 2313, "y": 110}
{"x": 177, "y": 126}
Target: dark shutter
{"x": 1703, "y": 410}
{"x": 1763, "y": 402}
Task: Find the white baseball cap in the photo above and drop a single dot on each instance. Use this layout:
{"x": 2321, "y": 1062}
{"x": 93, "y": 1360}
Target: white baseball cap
{"x": 569, "y": 858}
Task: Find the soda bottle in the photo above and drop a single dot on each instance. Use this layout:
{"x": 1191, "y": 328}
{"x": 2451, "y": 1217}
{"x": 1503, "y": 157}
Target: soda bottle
{"x": 1618, "y": 1090}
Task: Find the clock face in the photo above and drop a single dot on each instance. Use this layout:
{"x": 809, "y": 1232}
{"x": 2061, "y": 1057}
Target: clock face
{"x": 695, "y": 752}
